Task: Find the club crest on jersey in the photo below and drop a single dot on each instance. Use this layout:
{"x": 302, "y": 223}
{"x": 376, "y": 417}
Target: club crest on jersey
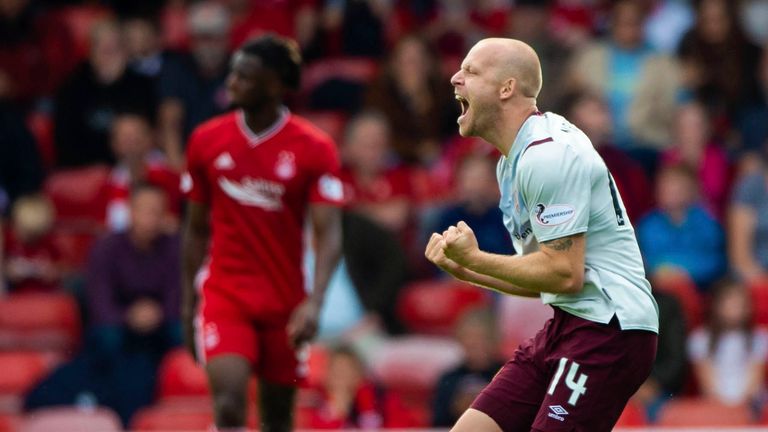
{"x": 285, "y": 167}
{"x": 554, "y": 214}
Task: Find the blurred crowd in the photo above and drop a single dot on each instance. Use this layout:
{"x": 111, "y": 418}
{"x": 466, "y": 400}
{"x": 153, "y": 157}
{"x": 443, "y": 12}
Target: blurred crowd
{"x": 97, "y": 99}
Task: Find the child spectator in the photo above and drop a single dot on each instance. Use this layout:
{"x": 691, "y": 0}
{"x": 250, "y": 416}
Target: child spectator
{"x": 348, "y": 399}
{"x": 680, "y": 233}
{"x": 33, "y": 262}
{"x": 729, "y": 354}
{"x": 138, "y": 161}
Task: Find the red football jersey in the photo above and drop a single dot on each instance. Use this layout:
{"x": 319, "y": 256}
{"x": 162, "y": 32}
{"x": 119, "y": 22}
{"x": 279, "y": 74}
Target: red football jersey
{"x": 258, "y": 187}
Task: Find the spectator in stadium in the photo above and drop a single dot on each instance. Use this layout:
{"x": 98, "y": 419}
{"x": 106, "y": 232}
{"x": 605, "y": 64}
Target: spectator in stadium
{"x": 133, "y": 292}
{"x": 719, "y": 62}
{"x": 529, "y": 21}
{"x": 32, "y": 260}
{"x": 748, "y": 227}
{"x": 348, "y": 398}
{"x": 751, "y": 120}
{"x": 416, "y": 100}
{"x": 729, "y": 354}
{"x": 456, "y": 389}
{"x": 455, "y": 25}
{"x": 91, "y": 97}
{"x": 133, "y": 306}
{"x": 639, "y": 85}
{"x": 477, "y": 204}
{"x": 670, "y": 368}
{"x": 36, "y": 53}
{"x": 144, "y": 48}
{"x": 349, "y": 28}
{"x": 680, "y": 234}
{"x": 589, "y": 112}
{"x": 695, "y": 147}
{"x": 138, "y": 162}
{"x": 193, "y": 89}
{"x": 375, "y": 186}
{"x": 21, "y": 167}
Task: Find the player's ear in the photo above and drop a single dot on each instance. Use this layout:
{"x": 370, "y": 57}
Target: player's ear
{"x": 507, "y": 88}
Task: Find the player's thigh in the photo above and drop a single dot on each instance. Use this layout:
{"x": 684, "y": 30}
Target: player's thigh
{"x": 475, "y": 421}
{"x": 279, "y": 363}
{"x": 588, "y": 391}
{"x": 513, "y": 397}
{"x": 223, "y": 328}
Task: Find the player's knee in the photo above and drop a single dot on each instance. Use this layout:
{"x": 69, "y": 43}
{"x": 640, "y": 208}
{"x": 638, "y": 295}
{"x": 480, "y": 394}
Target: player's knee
{"x": 230, "y": 409}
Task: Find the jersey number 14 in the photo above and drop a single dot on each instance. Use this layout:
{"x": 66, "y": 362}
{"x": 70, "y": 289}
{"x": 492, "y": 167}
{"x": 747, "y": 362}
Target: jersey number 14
{"x": 577, "y": 385}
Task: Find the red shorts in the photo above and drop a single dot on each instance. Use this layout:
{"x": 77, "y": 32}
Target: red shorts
{"x": 574, "y": 375}
{"x": 224, "y": 326}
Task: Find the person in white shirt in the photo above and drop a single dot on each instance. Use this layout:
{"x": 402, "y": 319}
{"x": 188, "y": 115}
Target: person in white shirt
{"x": 578, "y": 253}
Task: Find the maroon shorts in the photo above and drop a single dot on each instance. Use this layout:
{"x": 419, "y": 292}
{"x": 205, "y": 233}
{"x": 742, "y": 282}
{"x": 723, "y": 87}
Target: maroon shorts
{"x": 574, "y": 375}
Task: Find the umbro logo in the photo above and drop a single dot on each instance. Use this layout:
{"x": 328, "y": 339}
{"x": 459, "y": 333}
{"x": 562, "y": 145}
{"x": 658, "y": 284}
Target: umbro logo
{"x": 224, "y": 162}
{"x": 557, "y": 412}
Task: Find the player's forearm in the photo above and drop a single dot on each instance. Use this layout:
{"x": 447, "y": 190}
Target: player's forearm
{"x": 194, "y": 246}
{"x": 327, "y": 251}
{"x": 536, "y": 272}
{"x": 492, "y": 283}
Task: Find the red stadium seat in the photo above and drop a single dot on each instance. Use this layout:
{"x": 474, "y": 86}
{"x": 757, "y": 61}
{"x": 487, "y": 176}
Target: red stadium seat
{"x": 700, "y": 412}
{"x": 20, "y": 371}
{"x": 179, "y": 417}
{"x": 179, "y": 375}
{"x": 71, "y": 419}
{"x": 433, "y": 307}
{"x": 80, "y": 196}
{"x": 632, "y": 416}
{"x": 47, "y": 322}
{"x": 414, "y": 363}
{"x": 759, "y": 292}
{"x": 519, "y": 319}
{"x": 9, "y": 422}
{"x": 357, "y": 69}
{"x": 682, "y": 287}
{"x": 318, "y": 364}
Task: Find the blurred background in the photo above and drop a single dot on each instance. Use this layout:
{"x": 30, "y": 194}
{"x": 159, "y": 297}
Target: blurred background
{"x": 99, "y": 96}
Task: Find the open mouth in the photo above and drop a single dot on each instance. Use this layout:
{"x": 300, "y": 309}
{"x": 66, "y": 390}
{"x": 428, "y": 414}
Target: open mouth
{"x": 464, "y": 104}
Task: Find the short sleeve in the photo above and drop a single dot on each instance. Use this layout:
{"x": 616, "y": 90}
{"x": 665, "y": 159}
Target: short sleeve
{"x": 194, "y": 182}
{"x": 698, "y": 345}
{"x": 749, "y": 191}
{"x": 326, "y": 186}
{"x": 556, "y": 187}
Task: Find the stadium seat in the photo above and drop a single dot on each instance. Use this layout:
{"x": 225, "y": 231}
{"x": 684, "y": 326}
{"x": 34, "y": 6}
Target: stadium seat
{"x": 181, "y": 417}
{"x": 71, "y": 419}
{"x": 179, "y": 375}
{"x": 682, "y": 287}
{"x": 9, "y": 422}
{"x": 80, "y": 196}
{"x": 519, "y": 319}
{"x": 46, "y": 322}
{"x": 632, "y": 416}
{"x": 699, "y": 412}
{"x": 355, "y": 69}
{"x": 318, "y": 364}
{"x": 20, "y": 371}
{"x": 433, "y": 307}
{"x": 413, "y": 363}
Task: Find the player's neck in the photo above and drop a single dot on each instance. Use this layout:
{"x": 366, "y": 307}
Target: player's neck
{"x": 511, "y": 119}
{"x": 262, "y": 119}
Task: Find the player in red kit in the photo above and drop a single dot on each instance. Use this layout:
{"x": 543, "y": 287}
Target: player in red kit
{"x": 253, "y": 177}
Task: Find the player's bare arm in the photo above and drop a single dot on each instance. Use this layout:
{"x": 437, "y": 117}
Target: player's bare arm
{"x": 558, "y": 266}
{"x": 326, "y": 226}
{"x": 434, "y": 253}
{"x": 194, "y": 245}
